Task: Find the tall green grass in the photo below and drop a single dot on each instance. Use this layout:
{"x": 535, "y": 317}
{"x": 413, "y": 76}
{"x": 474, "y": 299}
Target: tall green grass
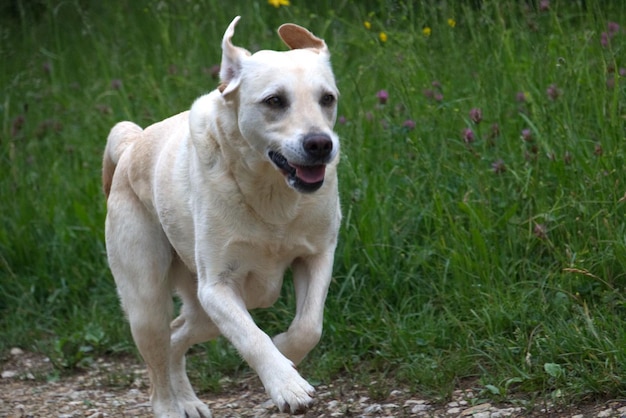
{"x": 493, "y": 258}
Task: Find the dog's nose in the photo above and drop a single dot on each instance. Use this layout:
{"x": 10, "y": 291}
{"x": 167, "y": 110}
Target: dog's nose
{"x": 317, "y": 145}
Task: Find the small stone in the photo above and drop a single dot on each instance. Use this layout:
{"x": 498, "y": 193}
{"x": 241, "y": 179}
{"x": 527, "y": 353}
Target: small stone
{"x": 578, "y": 416}
{"x": 477, "y": 408}
{"x": 453, "y": 404}
{"x": 453, "y": 411}
{"x": 8, "y": 374}
{"x": 606, "y": 413}
{"x": 484, "y": 414}
{"x": 16, "y": 351}
{"x": 420, "y": 408}
{"x": 395, "y": 393}
{"x": 334, "y": 404}
{"x": 373, "y": 409}
{"x": 410, "y": 402}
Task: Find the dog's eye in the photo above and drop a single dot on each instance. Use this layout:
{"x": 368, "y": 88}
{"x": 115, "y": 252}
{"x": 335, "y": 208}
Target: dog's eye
{"x": 327, "y": 100}
{"x": 275, "y": 101}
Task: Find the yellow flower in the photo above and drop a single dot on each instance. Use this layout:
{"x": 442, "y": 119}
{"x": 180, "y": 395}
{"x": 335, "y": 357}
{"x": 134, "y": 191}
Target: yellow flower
{"x": 451, "y": 22}
{"x": 367, "y": 24}
{"x": 278, "y": 3}
{"x": 426, "y": 31}
{"x": 382, "y": 36}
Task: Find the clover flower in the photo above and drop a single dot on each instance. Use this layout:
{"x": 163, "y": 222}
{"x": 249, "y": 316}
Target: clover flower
{"x": 553, "y": 92}
{"x": 468, "y": 136}
{"x": 498, "y": 166}
{"x": 527, "y": 135}
{"x": 409, "y": 124}
{"x": 476, "y": 115}
{"x": 382, "y": 96}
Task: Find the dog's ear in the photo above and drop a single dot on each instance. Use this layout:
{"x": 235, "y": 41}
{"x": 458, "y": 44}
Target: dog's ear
{"x": 232, "y": 56}
{"x": 297, "y": 37}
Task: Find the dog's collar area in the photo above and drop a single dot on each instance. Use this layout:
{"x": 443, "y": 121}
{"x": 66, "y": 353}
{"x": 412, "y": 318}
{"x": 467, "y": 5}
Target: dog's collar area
{"x": 303, "y": 178}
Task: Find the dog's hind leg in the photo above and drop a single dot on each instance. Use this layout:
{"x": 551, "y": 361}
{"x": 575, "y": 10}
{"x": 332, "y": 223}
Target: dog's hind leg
{"x": 140, "y": 257}
{"x": 192, "y": 326}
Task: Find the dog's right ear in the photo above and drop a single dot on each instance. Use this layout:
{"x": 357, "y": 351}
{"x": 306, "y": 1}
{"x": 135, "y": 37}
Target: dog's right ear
{"x": 232, "y": 56}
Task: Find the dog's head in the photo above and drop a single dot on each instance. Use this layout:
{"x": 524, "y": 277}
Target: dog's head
{"x": 286, "y": 103}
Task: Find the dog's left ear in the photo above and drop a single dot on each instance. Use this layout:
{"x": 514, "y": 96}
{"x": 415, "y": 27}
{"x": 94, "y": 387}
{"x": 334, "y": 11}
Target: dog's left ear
{"x": 297, "y": 37}
{"x": 232, "y": 56}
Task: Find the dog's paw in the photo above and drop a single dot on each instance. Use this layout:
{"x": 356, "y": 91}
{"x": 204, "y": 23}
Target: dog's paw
{"x": 291, "y": 393}
{"x": 195, "y": 409}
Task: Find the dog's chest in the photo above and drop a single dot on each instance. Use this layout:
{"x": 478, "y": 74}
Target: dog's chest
{"x": 257, "y": 266}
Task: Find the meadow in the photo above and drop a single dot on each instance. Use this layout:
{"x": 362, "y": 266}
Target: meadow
{"x": 482, "y": 182}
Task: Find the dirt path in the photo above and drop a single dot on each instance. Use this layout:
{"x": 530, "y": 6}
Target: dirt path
{"x": 120, "y": 390}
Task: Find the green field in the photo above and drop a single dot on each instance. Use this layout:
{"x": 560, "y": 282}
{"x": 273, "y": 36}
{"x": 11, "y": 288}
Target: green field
{"x": 482, "y": 181}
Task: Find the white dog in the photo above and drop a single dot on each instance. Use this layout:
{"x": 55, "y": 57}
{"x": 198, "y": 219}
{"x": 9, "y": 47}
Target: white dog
{"x": 215, "y": 204}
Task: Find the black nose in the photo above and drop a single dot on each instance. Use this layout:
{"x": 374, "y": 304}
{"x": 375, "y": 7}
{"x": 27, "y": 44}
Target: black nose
{"x": 317, "y": 145}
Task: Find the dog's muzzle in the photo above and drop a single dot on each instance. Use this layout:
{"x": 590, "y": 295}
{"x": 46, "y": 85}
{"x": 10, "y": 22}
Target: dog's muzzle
{"x": 306, "y": 177}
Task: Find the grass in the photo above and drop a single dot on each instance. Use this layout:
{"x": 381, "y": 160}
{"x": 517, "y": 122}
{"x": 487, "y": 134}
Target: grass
{"x": 494, "y": 257}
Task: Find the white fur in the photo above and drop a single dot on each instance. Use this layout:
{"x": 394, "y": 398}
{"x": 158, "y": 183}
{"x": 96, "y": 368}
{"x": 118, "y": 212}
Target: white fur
{"x": 196, "y": 207}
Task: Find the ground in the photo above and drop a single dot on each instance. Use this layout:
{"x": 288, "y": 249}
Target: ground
{"x": 119, "y": 388}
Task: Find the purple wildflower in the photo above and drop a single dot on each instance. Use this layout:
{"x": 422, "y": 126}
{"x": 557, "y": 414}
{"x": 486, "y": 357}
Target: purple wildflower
{"x": 520, "y": 96}
{"x": 544, "y": 5}
{"x": 116, "y": 84}
{"x": 613, "y": 28}
{"x": 409, "y": 124}
{"x": 498, "y": 166}
{"x": 468, "y": 136}
{"x": 476, "y": 115}
{"x": 342, "y": 120}
{"x": 553, "y": 92}
{"x": 382, "y": 96}
{"x": 527, "y": 135}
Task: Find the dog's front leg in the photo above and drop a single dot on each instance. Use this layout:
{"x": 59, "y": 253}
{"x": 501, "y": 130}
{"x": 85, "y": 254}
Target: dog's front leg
{"x": 222, "y": 301}
{"x": 311, "y": 277}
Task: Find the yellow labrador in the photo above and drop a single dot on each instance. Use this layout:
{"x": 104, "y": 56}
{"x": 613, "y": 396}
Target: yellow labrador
{"x": 215, "y": 204}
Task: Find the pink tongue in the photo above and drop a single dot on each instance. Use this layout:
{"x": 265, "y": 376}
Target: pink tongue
{"x": 311, "y": 174}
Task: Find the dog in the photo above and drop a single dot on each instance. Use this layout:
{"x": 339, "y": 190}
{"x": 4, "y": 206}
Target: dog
{"x": 214, "y": 205}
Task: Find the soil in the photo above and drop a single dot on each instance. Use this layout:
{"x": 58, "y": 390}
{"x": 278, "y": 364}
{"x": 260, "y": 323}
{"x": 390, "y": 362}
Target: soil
{"x": 119, "y": 388}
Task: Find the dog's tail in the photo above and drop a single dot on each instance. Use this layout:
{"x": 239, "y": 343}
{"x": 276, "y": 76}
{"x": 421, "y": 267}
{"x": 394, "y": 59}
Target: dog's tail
{"x": 120, "y": 137}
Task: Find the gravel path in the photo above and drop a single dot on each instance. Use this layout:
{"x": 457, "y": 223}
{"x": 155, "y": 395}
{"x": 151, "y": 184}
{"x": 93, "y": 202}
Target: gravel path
{"x": 120, "y": 390}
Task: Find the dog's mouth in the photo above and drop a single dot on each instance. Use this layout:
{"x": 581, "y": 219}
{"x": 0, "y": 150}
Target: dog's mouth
{"x": 304, "y": 178}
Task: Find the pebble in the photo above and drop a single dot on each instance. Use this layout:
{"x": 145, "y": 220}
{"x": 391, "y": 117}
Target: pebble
{"x": 16, "y": 351}
{"x": 453, "y": 411}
